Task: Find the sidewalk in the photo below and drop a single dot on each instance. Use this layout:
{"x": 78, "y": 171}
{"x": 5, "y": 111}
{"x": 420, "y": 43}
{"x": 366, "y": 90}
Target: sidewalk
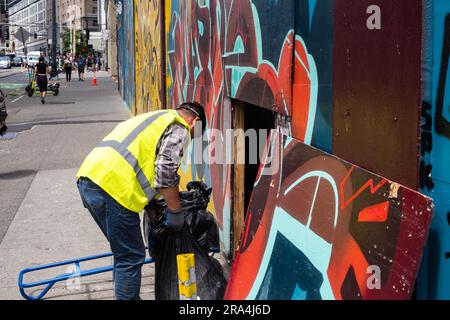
{"x": 41, "y": 215}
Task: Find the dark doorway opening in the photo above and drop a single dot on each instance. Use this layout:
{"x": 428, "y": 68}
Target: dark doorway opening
{"x": 256, "y": 118}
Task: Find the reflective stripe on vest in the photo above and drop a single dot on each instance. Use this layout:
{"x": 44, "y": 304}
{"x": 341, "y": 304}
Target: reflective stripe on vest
{"x": 122, "y": 149}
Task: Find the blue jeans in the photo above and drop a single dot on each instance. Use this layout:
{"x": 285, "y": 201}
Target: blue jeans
{"x": 123, "y": 231}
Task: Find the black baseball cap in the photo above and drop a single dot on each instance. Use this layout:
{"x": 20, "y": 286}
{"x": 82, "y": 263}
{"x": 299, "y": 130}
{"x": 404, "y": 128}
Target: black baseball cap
{"x": 197, "y": 109}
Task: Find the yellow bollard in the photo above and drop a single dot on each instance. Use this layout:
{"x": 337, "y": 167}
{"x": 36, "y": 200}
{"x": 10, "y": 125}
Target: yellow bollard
{"x": 187, "y": 285}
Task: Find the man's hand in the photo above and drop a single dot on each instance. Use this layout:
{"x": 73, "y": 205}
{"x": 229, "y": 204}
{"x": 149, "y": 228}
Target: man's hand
{"x": 175, "y": 219}
{"x": 172, "y": 197}
{"x": 174, "y": 214}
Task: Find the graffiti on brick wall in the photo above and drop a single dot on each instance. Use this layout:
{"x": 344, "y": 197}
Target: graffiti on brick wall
{"x": 435, "y": 154}
{"x": 126, "y": 55}
{"x": 349, "y": 223}
{"x": 149, "y": 81}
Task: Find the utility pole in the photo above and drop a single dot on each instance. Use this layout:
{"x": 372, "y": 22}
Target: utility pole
{"x": 74, "y": 39}
{"x": 54, "y": 72}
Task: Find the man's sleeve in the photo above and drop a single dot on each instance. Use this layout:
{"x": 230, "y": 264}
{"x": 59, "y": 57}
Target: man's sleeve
{"x": 169, "y": 152}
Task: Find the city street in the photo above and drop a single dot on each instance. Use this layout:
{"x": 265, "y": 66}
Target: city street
{"x": 42, "y": 219}
{"x": 6, "y": 73}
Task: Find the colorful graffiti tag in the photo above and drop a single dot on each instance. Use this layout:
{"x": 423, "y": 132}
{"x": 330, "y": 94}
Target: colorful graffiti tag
{"x": 126, "y": 55}
{"x": 195, "y": 72}
{"x": 312, "y": 93}
{"x": 348, "y": 223}
{"x": 252, "y": 75}
{"x": 270, "y": 58}
{"x": 220, "y": 49}
{"x": 435, "y": 145}
{"x": 149, "y": 76}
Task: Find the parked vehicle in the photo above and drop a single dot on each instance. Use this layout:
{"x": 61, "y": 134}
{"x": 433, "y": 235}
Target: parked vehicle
{"x": 33, "y": 58}
{"x": 17, "y": 61}
{"x": 10, "y": 56}
{"x": 5, "y": 62}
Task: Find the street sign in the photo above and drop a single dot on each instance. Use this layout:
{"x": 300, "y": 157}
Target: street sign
{"x": 22, "y": 35}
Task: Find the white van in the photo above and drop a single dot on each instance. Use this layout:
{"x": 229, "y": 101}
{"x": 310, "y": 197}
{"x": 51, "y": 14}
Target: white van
{"x": 33, "y": 58}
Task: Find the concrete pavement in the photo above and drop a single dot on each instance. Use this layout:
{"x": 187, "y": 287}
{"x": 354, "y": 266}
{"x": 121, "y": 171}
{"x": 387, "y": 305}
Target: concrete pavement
{"x": 9, "y": 72}
{"x": 42, "y": 219}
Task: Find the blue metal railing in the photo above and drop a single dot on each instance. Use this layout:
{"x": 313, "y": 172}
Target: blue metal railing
{"x": 66, "y": 276}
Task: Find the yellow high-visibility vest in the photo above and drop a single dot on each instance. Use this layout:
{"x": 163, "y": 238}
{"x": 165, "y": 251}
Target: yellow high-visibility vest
{"x": 123, "y": 164}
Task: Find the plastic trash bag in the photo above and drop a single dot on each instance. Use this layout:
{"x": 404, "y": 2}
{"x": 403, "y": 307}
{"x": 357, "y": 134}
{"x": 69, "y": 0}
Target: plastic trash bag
{"x": 210, "y": 280}
{"x": 199, "y": 235}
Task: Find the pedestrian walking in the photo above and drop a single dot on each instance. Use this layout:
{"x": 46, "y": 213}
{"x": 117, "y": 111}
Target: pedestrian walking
{"x": 89, "y": 63}
{"x": 41, "y": 71}
{"x": 68, "y": 68}
{"x": 81, "y": 63}
{"x": 97, "y": 63}
{"x": 137, "y": 161}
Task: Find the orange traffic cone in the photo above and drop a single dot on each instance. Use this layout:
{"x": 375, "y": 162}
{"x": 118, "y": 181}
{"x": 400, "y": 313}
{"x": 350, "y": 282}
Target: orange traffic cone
{"x": 94, "y": 81}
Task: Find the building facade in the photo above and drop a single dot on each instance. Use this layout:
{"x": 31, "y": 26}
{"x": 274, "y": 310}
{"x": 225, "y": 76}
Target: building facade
{"x": 32, "y": 16}
{"x": 78, "y": 15}
{"x": 4, "y": 27}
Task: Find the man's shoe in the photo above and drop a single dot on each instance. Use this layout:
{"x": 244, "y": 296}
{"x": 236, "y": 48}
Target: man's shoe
{"x": 42, "y": 100}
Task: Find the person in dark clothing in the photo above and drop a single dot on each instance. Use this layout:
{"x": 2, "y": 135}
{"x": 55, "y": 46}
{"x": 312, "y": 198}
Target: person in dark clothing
{"x": 81, "y": 62}
{"x": 68, "y": 68}
{"x": 41, "y": 71}
{"x": 89, "y": 63}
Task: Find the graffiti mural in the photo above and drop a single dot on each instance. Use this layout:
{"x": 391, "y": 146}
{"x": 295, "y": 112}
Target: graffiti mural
{"x": 258, "y": 66}
{"x": 126, "y": 54}
{"x": 307, "y": 59}
{"x": 435, "y": 150}
{"x": 312, "y": 93}
{"x": 354, "y": 235}
{"x": 221, "y": 48}
{"x": 282, "y": 66}
{"x": 149, "y": 75}
{"x": 195, "y": 72}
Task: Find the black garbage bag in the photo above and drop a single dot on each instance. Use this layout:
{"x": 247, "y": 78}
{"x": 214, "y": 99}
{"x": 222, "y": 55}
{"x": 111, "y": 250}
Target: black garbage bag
{"x": 200, "y": 222}
{"x": 211, "y": 282}
{"x": 199, "y": 236}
